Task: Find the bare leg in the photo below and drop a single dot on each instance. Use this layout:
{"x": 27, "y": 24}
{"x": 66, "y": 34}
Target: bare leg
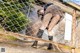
{"x": 45, "y": 22}
{"x": 51, "y": 25}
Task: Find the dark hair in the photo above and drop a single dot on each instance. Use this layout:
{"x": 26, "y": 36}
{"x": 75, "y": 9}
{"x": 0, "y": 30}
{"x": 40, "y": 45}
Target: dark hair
{"x": 40, "y": 14}
{"x": 47, "y": 5}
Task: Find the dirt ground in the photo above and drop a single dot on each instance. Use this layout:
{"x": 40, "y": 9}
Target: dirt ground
{"x": 24, "y": 49}
{"x": 13, "y": 48}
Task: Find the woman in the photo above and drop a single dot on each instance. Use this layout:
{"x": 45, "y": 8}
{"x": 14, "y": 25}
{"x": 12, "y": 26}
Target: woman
{"x": 51, "y": 15}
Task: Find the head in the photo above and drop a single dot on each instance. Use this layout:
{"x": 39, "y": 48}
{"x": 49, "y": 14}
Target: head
{"x": 40, "y": 12}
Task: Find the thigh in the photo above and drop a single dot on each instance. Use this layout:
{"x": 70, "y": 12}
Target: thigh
{"x": 46, "y": 19}
{"x": 53, "y": 22}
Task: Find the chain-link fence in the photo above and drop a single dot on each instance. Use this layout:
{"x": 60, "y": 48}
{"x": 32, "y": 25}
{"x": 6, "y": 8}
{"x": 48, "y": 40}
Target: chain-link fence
{"x": 17, "y": 16}
{"x": 21, "y": 16}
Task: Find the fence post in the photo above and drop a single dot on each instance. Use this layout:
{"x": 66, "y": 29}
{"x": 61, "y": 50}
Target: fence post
{"x": 73, "y": 31}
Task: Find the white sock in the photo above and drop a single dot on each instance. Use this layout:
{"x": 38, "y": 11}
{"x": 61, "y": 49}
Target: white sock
{"x": 42, "y": 28}
{"x": 50, "y": 33}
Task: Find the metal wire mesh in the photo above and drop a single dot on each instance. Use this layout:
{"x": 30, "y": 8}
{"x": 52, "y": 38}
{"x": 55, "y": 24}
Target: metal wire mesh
{"x": 21, "y": 16}
{"x": 17, "y": 16}
{"x": 12, "y": 19}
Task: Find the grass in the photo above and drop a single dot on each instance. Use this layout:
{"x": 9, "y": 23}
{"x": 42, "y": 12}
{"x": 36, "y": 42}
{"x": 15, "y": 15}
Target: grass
{"x": 67, "y": 47}
{"x": 8, "y": 37}
{"x": 1, "y": 28}
{"x": 11, "y": 38}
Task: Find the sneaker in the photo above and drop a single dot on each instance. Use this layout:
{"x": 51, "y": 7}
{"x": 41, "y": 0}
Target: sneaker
{"x": 40, "y": 33}
{"x": 35, "y": 44}
{"x": 50, "y": 38}
{"x": 50, "y": 47}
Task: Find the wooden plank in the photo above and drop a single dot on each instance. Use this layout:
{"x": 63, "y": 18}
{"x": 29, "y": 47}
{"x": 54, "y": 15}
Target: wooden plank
{"x": 74, "y": 5}
{"x": 19, "y": 36}
{"x": 30, "y": 37}
{"x": 74, "y": 28}
{"x": 73, "y": 31}
{"x": 62, "y": 6}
